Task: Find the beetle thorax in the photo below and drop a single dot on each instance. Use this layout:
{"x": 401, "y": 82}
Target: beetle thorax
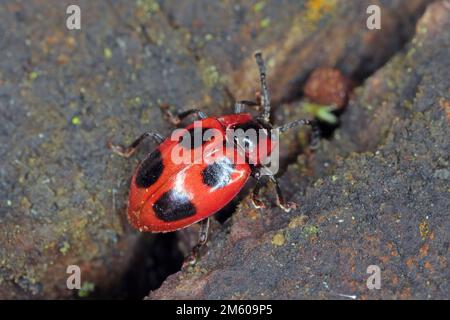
{"x": 253, "y": 140}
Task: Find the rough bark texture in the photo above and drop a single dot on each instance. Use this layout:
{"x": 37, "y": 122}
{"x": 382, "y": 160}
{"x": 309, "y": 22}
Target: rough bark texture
{"x": 384, "y": 173}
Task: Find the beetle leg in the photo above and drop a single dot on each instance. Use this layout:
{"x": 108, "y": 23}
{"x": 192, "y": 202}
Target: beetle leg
{"x": 257, "y": 174}
{"x": 260, "y": 174}
{"x": 315, "y": 133}
{"x": 286, "y": 206}
{"x": 176, "y": 119}
{"x": 239, "y": 105}
{"x": 202, "y": 237}
{"x": 255, "y": 198}
{"x": 128, "y": 151}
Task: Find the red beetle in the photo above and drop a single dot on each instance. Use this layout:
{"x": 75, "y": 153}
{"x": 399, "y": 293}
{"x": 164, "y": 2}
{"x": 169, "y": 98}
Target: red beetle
{"x": 167, "y": 195}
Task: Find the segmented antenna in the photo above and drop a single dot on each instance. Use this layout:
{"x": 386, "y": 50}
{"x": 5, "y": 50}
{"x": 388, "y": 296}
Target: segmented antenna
{"x": 264, "y": 92}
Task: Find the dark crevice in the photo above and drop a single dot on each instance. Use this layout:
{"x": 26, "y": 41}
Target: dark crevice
{"x": 155, "y": 257}
{"x": 327, "y": 129}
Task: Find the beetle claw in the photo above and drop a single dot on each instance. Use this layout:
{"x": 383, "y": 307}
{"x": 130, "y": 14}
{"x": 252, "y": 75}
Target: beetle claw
{"x": 115, "y": 148}
{"x": 190, "y": 260}
{"x": 258, "y": 204}
{"x": 288, "y": 206}
{"x": 119, "y": 150}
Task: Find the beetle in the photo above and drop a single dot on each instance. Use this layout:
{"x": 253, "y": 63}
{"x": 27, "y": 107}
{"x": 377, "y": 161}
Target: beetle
{"x": 166, "y": 195}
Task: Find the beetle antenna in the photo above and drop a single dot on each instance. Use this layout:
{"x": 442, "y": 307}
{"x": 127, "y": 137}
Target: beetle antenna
{"x": 264, "y": 91}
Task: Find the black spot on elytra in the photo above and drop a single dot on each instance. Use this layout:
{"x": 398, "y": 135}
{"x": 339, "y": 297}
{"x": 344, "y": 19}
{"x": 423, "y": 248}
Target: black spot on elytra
{"x": 172, "y": 206}
{"x": 218, "y": 174}
{"x": 150, "y": 170}
{"x": 193, "y": 138}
